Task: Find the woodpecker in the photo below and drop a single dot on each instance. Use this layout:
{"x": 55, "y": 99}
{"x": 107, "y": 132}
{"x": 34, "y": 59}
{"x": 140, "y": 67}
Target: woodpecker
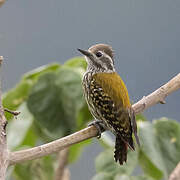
{"x": 108, "y": 100}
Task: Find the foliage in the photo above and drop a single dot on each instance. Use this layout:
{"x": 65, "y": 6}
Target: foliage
{"x": 51, "y": 103}
{"x": 157, "y": 156}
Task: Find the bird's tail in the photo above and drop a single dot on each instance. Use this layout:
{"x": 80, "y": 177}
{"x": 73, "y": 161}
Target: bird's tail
{"x": 121, "y": 147}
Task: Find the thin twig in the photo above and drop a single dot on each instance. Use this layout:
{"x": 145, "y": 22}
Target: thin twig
{"x": 1, "y": 60}
{"x": 157, "y": 96}
{"x": 62, "y": 162}
{"x": 3, "y": 144}
{"x": 15, "y": 113}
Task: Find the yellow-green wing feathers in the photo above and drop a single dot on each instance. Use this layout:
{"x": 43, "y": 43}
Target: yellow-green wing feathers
{"x": 114, "y": 86}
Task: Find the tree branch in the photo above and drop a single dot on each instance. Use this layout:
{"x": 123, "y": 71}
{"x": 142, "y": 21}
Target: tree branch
{"x": 157, "y": 96}
{"x": 66, "y": 174}
{"x": 62, "y": 162}
{"x": 52, "y": 147}
{"x": 3, "y": 145}
{"x": 175, "y": 175}
{"x": 2, "y": 2}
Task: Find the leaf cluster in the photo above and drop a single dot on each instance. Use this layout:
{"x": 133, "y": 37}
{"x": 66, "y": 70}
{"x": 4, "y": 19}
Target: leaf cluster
{"x": 52, "y": 105}
{"x": 157, "y": 156}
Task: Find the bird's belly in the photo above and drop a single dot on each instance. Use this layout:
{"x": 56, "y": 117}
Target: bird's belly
{"x": 98, "y": 113}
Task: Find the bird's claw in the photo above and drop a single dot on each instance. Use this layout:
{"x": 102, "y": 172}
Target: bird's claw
{"x": 99, "y": 126}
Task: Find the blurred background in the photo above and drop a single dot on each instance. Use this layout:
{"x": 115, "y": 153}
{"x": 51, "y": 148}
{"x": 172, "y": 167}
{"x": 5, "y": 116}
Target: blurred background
{"x": 144, "y": 34}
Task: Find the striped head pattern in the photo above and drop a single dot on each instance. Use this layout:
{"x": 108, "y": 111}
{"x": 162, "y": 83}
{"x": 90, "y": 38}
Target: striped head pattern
{"x": 99, "y": 58}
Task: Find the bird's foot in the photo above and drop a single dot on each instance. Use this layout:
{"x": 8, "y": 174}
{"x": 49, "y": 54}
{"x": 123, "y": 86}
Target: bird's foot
{"x": 100, "y": 126}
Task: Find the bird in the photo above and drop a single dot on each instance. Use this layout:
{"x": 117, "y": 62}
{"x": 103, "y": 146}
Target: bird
{"x": 108, "y": 100}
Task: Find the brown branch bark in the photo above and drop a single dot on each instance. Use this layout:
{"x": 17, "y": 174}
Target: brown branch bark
{"x": 2, "y": 2}
{"x": 15, "y": 113}
{"x": 157, "y": 96}
{"x": 66, "y": 174}
{"x": 52, "y": 147}
{"x": 60, "y": 173}
{"x": 175, "y": 175}
{"x": 3, "y": 145}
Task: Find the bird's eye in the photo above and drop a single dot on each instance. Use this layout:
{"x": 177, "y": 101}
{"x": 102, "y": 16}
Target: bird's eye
{"x": 99, "y": 54}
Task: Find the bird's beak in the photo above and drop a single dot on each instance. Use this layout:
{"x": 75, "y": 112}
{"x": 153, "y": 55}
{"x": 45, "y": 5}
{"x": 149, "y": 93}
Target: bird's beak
{"x": 86, "y": 53}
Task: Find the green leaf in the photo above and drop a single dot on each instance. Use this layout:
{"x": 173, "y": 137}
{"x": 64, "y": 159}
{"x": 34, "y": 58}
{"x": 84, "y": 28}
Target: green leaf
{"x": 143, "y": 177}
{"x": 160, "y": 147}
{"x": 79, "y": 65}
{"x": 40, "y": 169}
{"x": 148, "y": 167}
{"x": 126, "y": 177}
{"x": 40, "y": 132}
{"x": 30, "y": 139}
{"x": 168, "y": 136}
{"x": 16, "y": 96}
{"x": 35, "y": 73}
{"x": 18, "y": 128}
{"x": 77, "y": 62}
{"x": 55, "y": 101}
{"x": 105, "y": 163}
{"x": 84, "y": 116}
{"x": 140, "y": 117}
{"x": 106, "y": 140}
{"x": 103, "y": 176}
{"x": 150, "y": 156}
{"x": 122, "y": 177}
{"x": 76, "y": 150}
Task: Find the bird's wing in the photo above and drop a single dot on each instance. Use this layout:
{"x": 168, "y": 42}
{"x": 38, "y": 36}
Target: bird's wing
{"x": 116, "y": 94}
{"x": 113, "y": 85}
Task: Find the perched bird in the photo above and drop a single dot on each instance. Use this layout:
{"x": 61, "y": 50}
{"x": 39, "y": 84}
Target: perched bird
{"x": 108, "y": 100}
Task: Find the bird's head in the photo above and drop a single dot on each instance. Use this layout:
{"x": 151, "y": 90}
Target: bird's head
{"x": 99, "y": 58}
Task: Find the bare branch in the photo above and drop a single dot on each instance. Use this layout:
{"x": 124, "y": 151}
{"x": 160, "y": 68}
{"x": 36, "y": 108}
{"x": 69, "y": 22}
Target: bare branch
{"x": 2, "y": 2}
{"x": 15, "y": 113}
{"x": 157, "y": 96}
{"x": 66, "y": 174}
{"x": 1, "y": 60}
{"x": 3, "y": 145}
{"x": 62, "y": 160}
{"x": 52, "y": 147}
{"x": 175, "y": 175}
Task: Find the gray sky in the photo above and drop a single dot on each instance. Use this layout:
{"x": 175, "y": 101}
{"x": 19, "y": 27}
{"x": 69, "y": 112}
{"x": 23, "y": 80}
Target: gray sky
{"x": 144, "y": 34}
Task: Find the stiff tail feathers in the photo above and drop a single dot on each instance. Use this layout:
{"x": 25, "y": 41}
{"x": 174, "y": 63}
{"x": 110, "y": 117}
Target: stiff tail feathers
{"x": 121, "y": 148}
